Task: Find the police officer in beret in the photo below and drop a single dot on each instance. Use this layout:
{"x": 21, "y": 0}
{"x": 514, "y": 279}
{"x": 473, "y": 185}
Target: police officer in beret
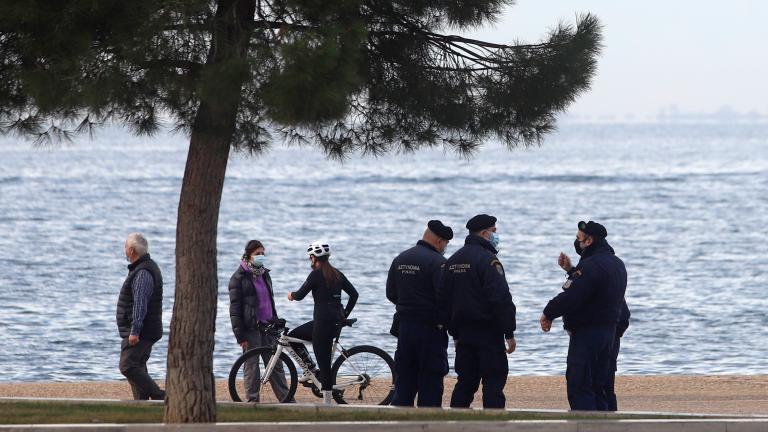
{"x": 421, "y": 359}
{"x": 480, "y": 314}
{"x": 591, "y": 305}
{"x": 621, "y": 327}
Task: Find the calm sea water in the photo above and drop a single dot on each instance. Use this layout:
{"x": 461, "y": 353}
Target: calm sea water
{"x": 686, "y": 208}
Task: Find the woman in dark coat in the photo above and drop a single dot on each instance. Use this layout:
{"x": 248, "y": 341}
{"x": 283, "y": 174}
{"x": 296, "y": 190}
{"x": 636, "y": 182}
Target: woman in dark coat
{"x": 251, "y": 306}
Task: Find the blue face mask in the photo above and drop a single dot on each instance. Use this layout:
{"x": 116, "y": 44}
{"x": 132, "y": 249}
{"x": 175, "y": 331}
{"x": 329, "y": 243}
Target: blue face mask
{"x": 494, "y": 240}
{"x": 259, "y": 261}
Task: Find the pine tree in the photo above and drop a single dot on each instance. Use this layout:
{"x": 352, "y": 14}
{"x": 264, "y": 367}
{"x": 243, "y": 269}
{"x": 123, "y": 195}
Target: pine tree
{"x": 351, "y": 76}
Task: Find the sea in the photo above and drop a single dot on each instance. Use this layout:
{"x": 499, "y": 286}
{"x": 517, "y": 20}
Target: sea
{"x": 685, "y": 205}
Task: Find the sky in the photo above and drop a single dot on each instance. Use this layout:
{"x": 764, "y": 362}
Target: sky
{"x": 674, "y": 55}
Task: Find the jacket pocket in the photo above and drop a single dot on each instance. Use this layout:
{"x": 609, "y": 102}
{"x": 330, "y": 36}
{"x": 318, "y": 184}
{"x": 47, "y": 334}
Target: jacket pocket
{"x": 249, "y": 316}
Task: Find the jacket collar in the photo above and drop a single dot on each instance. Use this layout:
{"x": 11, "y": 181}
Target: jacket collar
{"x": 136, "y": 263}
{"x": 426, "y": 245}
{"x": 600, "y": 247}
{"x": 477, "y": 240}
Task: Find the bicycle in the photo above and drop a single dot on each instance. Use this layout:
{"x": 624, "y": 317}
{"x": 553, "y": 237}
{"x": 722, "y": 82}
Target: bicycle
{"x": 361, "y": 375}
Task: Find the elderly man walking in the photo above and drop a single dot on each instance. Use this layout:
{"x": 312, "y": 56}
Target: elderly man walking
{"x": 140, "y": 317}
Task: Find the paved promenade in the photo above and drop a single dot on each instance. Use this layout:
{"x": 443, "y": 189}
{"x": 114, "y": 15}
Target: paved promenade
{"x": 543, "y": 421}
{"x": 691, "y": 394}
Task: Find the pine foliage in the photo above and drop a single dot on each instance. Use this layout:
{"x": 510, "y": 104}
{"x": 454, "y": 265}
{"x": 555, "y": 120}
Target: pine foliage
{"x": 350, "y": 76}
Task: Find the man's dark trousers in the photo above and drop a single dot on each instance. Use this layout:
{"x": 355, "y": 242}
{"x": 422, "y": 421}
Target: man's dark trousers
{"x": 480, "y": 357}
{"x": 421, "y": 363}
{"x": 589, "y": 367}
{"x": 133, "y": 364}
{"x": 610, "y": 388}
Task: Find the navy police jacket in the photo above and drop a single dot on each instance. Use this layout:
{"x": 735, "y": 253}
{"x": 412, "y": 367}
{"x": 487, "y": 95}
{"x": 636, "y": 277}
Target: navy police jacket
{"x": 594, "y": 294}
{"x": 624, "y": 315}
{"x": 475, "y": 292}
{"x": 413, "y": 281}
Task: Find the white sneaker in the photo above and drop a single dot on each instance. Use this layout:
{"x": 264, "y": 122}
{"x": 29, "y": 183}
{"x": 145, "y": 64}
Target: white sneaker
{"x": 327, "y": 397}
{"x": 305, "y": 376}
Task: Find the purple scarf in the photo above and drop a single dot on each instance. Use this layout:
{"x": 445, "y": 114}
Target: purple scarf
{"x": 264, "y": 308}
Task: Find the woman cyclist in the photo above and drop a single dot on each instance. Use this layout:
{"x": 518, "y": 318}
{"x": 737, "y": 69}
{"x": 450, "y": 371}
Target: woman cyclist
{"x": 326, "y": 284}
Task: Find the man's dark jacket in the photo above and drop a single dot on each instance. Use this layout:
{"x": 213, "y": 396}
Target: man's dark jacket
{"x": 413, "y": 281}
{"x": 243, "y": 302}
{"x": 475, "y": 293}
{"x": 594, "y": 295}
{"x": 153, "y": 320}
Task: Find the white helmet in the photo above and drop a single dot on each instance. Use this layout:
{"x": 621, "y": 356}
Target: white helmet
{"x": 319, "y": 248}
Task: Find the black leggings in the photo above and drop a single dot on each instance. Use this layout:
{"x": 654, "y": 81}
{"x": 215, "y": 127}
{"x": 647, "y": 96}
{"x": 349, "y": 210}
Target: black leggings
{"x": 321, "y": 333}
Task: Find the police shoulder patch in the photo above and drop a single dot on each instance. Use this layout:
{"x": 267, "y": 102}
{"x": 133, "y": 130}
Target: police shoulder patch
{"x": 497, "y": 265}
{"x": 571, "y": 278}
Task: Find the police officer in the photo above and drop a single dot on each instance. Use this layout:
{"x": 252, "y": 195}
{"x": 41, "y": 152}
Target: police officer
{"x": 421, "y": 359}
{"x": 609, "y": 389}
{"x": 478, "y": 308}
{"x": 590, "y": 304}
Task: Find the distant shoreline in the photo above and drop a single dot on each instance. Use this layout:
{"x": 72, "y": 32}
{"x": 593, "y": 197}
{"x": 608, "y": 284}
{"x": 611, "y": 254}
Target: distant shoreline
{"x": 712, "y": 394}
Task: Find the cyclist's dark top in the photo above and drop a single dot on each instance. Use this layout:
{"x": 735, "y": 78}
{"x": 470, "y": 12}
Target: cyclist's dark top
{"x": 328, "y": 299}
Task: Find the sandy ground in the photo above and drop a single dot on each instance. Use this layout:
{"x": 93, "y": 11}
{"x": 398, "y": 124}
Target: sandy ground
{"x": 728, "y": 394}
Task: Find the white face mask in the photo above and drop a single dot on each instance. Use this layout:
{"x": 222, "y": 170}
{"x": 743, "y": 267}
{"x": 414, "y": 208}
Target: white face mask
{"x": 259, "y": 261}
{"x": 494, "y": 240}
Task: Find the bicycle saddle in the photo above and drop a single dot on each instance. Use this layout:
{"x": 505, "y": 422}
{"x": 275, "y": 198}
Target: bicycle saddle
{"x": 348, "y": 322}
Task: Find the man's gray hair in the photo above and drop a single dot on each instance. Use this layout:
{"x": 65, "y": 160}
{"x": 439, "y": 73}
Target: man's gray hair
{"x": 138, "y": 242}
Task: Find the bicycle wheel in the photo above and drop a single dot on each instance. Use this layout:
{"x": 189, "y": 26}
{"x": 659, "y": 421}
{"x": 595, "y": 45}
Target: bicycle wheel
{"x": 281, "y": 387}
{"x": 364, "y": 375}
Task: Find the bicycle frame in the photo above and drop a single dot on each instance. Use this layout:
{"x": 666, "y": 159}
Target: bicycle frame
{"x": 283, "y": 345}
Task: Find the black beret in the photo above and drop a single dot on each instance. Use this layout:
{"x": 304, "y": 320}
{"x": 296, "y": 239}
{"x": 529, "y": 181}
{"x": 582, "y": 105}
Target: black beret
{"x": 437, "y": 227}
{"x": 480, "y": 222}
{"x": 593, "y": 228}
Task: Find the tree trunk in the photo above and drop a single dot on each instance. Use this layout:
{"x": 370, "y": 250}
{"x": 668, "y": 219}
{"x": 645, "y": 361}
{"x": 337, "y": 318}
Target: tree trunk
{"x": 190, "y": 383}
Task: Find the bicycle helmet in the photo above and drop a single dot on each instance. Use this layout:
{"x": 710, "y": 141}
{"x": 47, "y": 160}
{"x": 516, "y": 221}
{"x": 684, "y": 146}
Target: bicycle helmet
{"x": 319, "y": 248}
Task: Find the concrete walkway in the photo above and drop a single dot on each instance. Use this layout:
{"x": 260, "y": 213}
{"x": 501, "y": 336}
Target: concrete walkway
{"x": 712, "y": 425}
{"x": 719, "y": 394}
{"x": 598, "y": 422}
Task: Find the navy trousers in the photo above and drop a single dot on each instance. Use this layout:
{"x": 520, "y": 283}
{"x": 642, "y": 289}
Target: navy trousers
{"x": 480, "y": 358}
{"x": 421, "y": 363}
{"x": 610, "y": 388}
{"x": 589, "y": 369}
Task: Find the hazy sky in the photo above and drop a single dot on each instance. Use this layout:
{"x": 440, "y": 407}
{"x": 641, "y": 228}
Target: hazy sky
{"x": 696, "y": 55}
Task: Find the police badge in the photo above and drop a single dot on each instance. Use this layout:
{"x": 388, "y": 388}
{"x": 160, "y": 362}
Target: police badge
{"x": 497, "y": 265}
